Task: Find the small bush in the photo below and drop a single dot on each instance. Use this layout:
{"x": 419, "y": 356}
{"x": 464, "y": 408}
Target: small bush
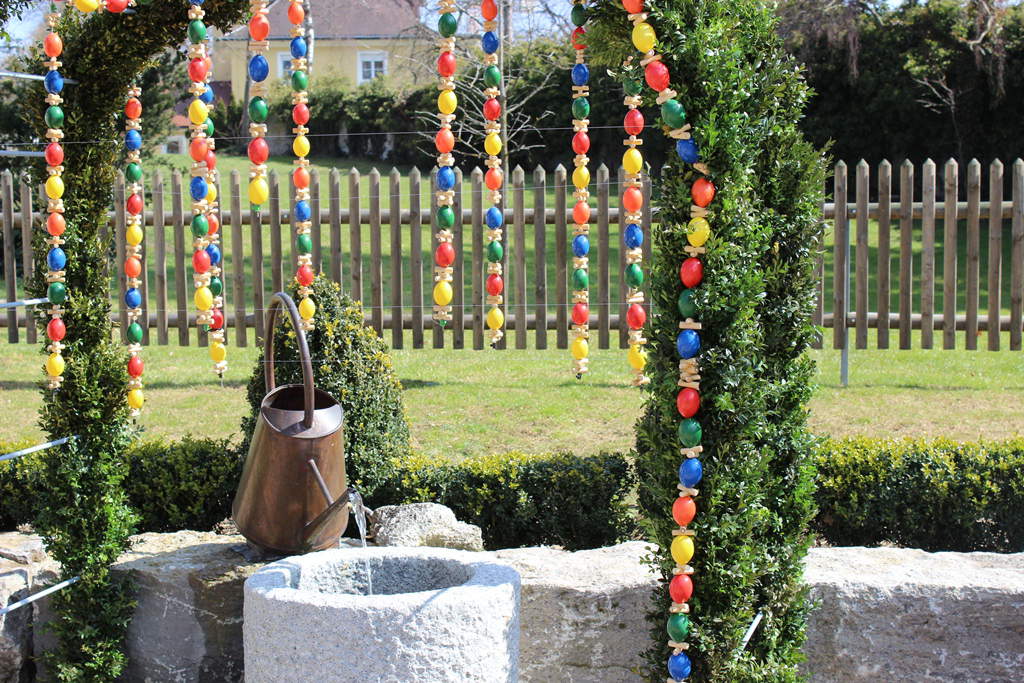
{"x": 351, "y": 363}
{"x": 938, "y": 495}
{"x": 523, "y": 500}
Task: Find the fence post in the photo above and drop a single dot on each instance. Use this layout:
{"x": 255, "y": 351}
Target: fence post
{"x": 861, "y": 270}
{"x": 160, "y": 257}
{"x": 884, "y": 254}
{"x": 927, "y": 253}
{"x": 620, "y": 303}
{"x": 438, "y": 331}
{"x": 376, "y": 268}
{"x": 395, "y": 209}
{"x": 561, "y": 256}
{"x": 10, "y": 272}
{"x": 458, "y": 270}
{"x": 519, "y": 224}
{"x": 144, "y": 276}
{"x": 476, "y": 301}
{"x": 1017, "y": 257}
{"x": 540, "y": 257}
{"x": 603, "y": 303}
{"x": 334, "y": 207}
{"x": 995, "y": 253}
{"x": 256, "y": 241}
{"x": 276, "y": 249}
{"x": 973, "y": 252}
{"x": 316, "y": 233}
{"x": 27, "y": 262}
{"x": 238, "y": 260}
{"x": 178, "y": 223}
{"x": 416, "y": 257}
{"x": 355, "y": 227}
{"x": 840, "y": 275}
{"x": 949, "y": 256}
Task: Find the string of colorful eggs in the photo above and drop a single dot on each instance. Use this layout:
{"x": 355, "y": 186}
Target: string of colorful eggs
{"x": 133, "y": 236}
{"x": 688, "y": 342}
{"x": 205, "y": 224}
{"x": 579, "y": 348}
{"x": 56, "y": 258}
{"x": 494, "y": 178}
{"x": 259, "y": 69}
{"x": 447, "y": 102}
{"x": 300, "y": 146}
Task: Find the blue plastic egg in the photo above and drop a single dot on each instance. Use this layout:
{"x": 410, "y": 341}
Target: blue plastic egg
{"x": 494, "y": 218}
{"x": 688, "y": 343}
{"x": 197, "y": 2}
{"x": 198, "y": 188}
{"x": 207, "y": 96}
{"x": 580, "y": 246}
{"x": 489, "y": 42}
{"x": 133, "y": 140}
{"x": 580, "y": 74}
{"x": 688, "y": 151}
{"x": 56, "y": 259}
{"x": 132, "y": 298}
{"x": 679, "y": 666}
{"x": 691, "y": 472}
{"x": 634, "y": 236}
{"x": 259, "y": 69}
{"x": 302, "y": 211}
{"x": 213, "y": 251}
{"x": 298, "y": 47}
{"x": 445, "y": 178}
{"x": 53, "y": 82}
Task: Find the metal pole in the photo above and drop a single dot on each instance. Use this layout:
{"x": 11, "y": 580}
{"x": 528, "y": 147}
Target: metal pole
{"x": 41, "y": 594}
{"x": 22, "y": 302}
{"x": 31, "y": 77}
{"x": 20, "y": 153}
{"x": 844, "y": 361}
{"x": 33, "y": 449}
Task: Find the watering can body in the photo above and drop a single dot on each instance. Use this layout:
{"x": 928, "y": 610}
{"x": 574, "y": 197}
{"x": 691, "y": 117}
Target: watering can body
{"x": 292, "y": 496}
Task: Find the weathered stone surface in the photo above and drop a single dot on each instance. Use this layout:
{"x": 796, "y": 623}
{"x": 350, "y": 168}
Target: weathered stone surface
{"x": 892, "y": 614}
{"x": 424, "y": 524}
{"x": 582, "y": 613}
{"x": 16, "y": 627}
{"x": 436, "y": 615}
{"x": 22, "y": 548}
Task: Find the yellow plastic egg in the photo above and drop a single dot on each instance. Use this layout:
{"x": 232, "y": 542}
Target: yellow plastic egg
{"x": 307, "y": 309}
{"x": 211, "y": 192}
{"x": 495, "y": 318}
{"x": 447, "y": 102}
{"x": 699, "y": 232}
{"x": 54, "y": 187}
{"x": 300, "y": 146}
{"x": 579, "y": 348}
{"x": 55, "y": 365}
{"x": 204, "y": 299}
{"x": 682, "y": 549}
{"x": 492, "y": 144}
{"x": 581, "y": 177}
{"x": 87, "y": 5}
{"x": 636, "y": 356}
{"x": 133, "y": 235}
{"x": 136, "y": 399}
{"x": 442, "y": 293}
{"x": 198, "y": 113}
{"x": 633, "y": 160}
{"x": 644, "y": 37}
{"x": 218, "y": 352}
{"x": 258, "y": 191}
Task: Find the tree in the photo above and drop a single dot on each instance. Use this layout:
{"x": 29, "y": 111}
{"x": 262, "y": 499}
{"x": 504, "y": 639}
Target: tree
{"x": 744, "y": 96}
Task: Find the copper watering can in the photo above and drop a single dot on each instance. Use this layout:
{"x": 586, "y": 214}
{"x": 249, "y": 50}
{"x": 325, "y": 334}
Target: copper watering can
{"x": 292, "y": 497}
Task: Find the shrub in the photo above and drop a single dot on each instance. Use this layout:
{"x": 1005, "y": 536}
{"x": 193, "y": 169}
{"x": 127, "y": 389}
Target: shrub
{"x": 351, "y": 363}
{"x": 524, "y": 500}
{"x": 938, "y": 495}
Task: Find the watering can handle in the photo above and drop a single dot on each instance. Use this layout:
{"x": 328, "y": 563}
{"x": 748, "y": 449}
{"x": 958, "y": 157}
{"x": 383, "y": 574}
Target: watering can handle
{"x": 276, "y": 302}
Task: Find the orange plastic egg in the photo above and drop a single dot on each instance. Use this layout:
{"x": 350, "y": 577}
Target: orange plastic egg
{"x": 198, "y": 148}
{"x": 494, "y": 178}
{"x": 55, "y": 224}
{"x": 632, "y": 199}
{"x": 133, "y": 108}
{"x": 295, "y": 13}
{"x": 703, "y": 192}
{"x": 53, "y": 45}
{"x": 444, "y": 140}
{"x": 259, "y": 27}
{"x": 132, "y": 267}
{"x": 489, "y": 10}
{"x": 581, "y": 213}
{"x": 301, "y": 177}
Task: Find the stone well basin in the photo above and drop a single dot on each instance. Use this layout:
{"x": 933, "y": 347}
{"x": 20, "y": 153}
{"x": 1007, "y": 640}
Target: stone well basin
{"x": 435, "y": 615}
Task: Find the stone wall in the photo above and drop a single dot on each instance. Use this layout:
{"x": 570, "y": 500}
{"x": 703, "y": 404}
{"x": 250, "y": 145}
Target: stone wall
{"x": 885, "y": 614}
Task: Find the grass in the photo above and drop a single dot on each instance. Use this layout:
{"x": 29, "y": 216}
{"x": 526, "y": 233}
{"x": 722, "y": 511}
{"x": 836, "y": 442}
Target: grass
{"x": 462, "y": 402}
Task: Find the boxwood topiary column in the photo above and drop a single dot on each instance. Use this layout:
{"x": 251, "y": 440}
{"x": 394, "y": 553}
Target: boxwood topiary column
{"x": 744, "y": 97}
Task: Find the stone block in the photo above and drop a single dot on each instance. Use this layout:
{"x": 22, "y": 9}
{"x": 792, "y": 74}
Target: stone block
{"x": 424, "y": 524}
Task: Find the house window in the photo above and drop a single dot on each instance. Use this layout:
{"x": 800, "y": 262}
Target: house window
{"x": 284, "y": 64}
{"x": 372, "y": 65}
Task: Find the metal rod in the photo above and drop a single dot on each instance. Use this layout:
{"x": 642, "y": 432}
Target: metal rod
{"x": 20, "y": 153}
{"x": 31, "y": 77}
{"x": 22, "y": 302}
{"x": 41, "y": 594}
{"x": 33, "y": 449}
{"x": 750, "y": 630}
{"x": 320, "y": 482}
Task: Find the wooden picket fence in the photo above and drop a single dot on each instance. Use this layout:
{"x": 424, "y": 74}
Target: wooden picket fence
{"x": 362, "y": 217}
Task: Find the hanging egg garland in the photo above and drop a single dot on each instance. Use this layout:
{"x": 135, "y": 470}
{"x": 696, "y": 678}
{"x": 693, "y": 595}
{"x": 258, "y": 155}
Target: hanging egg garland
{"x": 632, "y": 204}
{"x": 56, "y": 257}
{"x": 581, "y": 181}
{"x": 134, "y": 233}
{"x": 304, "y": 274}
{"x": 494, "y": 178}
{"x": 258, "y": 109}
{"x": 447, "y": 103}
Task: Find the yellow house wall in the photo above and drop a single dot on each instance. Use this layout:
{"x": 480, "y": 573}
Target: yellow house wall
{"x": 406, "y": 61}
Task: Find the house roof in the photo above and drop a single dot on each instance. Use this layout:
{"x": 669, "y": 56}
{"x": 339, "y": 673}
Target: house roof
{"x": 344, "y": 19}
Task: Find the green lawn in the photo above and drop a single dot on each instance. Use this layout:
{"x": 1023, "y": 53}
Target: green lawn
{"x": 462, "y": 402}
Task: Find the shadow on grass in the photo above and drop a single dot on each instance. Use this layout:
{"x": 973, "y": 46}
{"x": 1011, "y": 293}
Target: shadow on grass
{"x": 418, "y": 383}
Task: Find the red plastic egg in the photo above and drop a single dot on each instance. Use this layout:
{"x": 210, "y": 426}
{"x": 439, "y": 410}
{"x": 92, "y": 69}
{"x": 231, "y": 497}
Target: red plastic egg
{"x": 218, "y": 319}
{"x": 200, "y": 261}
{"x": 577, "y": 38}
{"x": 304, "y": 275}
{"x": 135, "y": 364}
{"x": 657, "y": 76}
{"x": 54, "y": 154}
{"x": 702, "y": 191}
{"x": 446, "y": 64}
{"x": 492, "y": 109}
{"x": 55, "y": 329}
{"x": 117, "y": 6}
{"x": 300, "y": 177}
{"x": 444, "y": 255}
{"x": 494, "y": 178}
{"x": 688, "y": 402}
{"x": 580, "y": 314}
{"x": 198, "y": 148}
{"x": 495, "y": 284}
{"x": 300, "y": 114}
{"x": 55, "y": 224}
{"x": 581, "y": 143}
{"x": 197, "y": 70}
{"x": 489, "y": 10}
{"x": 684, "y": 510}
{"x": 680, "y": 588}
{"x": 636, "y": 316}
{"x": 632, "y": 199}
{"x": 259, "y": 27}
{"x": 53, "y": 45}
{"x": 633, "y": 6}
{"x": 259, "y": 150}
{"x": 691, "y": 272}
{"x": 213, "y": 222}
{"x": 444, "y": 140}
{"x": 295, "y": 12}
{"x": 581, "y": 213}
{"x": 132, "y": 267}
{"x": 134, "y": 204}
{"x": 132, "y": 108}
{"x": 211, "y": 160}
{"x": 634, "y": 122}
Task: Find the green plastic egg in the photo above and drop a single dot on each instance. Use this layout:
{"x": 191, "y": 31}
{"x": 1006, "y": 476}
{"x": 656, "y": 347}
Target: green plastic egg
{"x": 580, "y": 279}
{"x": 134, "y": 333}
{"x": 54, "y": 116}
{"x": 687, "y": 309}
{"x": 258, "y": 109}
{"x": 580, "y": 108}
{"x": 634, "y": 275}
{"x": 678, "y": 627}
{"x": 196, "y": 31}
{"x": 578, "y": 15}
{"x": 690, "y": 433}
{"x": 492, "y": 76}
{"x": 305, "y": 243}
{"x": 673, "y": 114}
{"x": 57, "y": 293}
{"x": 495, "y": 251}
{"x": 300, "y": 81}
{"x": 133, "y": 172}
{"x": 447, "y": 25}
{"x": 445, "y": 217}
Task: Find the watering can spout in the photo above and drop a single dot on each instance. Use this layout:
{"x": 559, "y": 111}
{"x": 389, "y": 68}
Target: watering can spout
{"x": 317, "y": 532}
